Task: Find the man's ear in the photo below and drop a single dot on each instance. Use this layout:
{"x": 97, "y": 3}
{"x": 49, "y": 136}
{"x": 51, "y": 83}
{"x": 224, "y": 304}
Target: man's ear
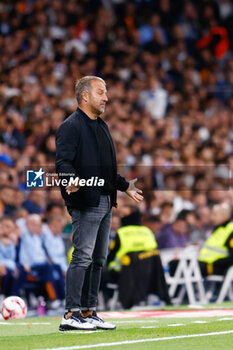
{"x": 85, "y": 96}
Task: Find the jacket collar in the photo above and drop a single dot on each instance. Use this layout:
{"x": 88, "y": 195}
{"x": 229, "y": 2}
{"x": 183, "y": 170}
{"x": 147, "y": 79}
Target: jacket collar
{"x": 85, "y": 116}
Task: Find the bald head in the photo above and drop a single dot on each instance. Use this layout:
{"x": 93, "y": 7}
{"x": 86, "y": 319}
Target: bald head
{"x": 220, "y": 213}
{"x": 34, "y": 224}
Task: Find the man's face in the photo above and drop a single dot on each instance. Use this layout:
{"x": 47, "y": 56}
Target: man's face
{"x": 9, "y": 226}
{"x": 34, "y": 226}
{"x": 97, "y": 96}
{"x": 180, "y": 226}
{"x": 56, "y": 226}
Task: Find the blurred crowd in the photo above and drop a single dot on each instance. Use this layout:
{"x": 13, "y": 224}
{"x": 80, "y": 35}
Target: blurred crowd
{"x": 168, "y": 66}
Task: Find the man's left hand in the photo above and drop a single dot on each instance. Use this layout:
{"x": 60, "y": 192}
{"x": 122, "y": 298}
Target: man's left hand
{"x": 134, "y": 192}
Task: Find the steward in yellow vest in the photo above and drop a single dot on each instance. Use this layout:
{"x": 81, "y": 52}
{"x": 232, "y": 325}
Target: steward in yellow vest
{"x": 134, "y": 257}
{"x": 216, "y": 255}
{"x": 131, "y": 238}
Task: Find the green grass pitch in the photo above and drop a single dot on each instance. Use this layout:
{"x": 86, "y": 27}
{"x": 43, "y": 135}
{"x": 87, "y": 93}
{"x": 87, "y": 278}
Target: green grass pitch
{"x": 140, "y": 333}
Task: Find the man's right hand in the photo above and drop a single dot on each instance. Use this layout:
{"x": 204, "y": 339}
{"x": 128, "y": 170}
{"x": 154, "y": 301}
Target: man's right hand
{"x": 72, "y": 187}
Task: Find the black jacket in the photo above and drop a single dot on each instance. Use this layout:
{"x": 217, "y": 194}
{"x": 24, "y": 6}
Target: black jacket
{"x": 77, "y": 154}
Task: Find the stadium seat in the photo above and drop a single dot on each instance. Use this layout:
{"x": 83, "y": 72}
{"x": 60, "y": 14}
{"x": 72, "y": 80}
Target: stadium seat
{"x": 114, "y": 300}
{"x": 187, "y": 277}
{"x": 226, "y": 289}
{"x": 33, "y": 286}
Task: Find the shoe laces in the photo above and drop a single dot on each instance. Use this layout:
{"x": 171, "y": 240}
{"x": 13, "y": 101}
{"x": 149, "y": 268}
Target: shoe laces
{"x": 95, "y": 317}
{"x": 77, "y": 317}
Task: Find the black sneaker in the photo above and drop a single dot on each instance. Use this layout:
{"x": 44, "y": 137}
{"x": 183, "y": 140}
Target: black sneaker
{"x": 75, "y": 323}
{"x": 98, "y": 322}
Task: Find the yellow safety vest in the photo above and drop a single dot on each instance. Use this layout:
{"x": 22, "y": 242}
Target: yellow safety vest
{"x": 214, "y": 247}
{"x": 133, "y": 239}
{"x": 69, "y": 254}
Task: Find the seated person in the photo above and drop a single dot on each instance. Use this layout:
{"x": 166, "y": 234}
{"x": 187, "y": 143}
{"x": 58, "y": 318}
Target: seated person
{"x": 32, "y": 255}
{"x": 8, "y": 269}
{"x": 216, "y": 255}
{"x": 174, "y": 235}
{"x": 35, "y": 203}
{"x": 55, "y": 249}
{"x": 135, "y": 262}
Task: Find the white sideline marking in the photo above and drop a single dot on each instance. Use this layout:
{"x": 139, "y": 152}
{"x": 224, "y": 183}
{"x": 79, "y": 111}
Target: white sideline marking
{"x": 198, "y": 313}
{"x": 142, "y": 321}
{"x": 175, "y": 325}
{"x": 23, "y": 323}
{"x": 199, "y": 322}
{"x": 149, "y": 327}
{"x": 126, "y": 342}
{"x": 225, "y": 319}
{"x": 195, "y": 306}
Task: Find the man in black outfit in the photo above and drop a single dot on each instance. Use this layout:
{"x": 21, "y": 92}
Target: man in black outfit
{"x": 85, "y": 150}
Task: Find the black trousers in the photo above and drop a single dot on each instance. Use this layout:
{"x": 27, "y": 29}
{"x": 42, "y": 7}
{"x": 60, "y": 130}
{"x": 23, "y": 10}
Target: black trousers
{"x": 219, "y": 267}
{"x": 139, "y": 278}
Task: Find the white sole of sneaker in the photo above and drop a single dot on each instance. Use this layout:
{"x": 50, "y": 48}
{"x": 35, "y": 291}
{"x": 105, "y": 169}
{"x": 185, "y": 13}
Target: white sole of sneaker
{"x": 67, "y": 328}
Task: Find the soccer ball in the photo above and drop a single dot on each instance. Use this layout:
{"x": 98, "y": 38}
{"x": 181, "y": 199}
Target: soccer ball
{"x": 13, "y": 307}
